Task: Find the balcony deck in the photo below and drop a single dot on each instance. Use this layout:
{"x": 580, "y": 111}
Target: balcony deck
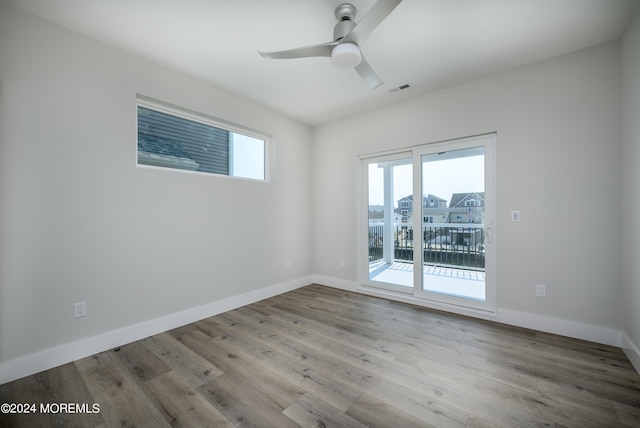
{"x": 438, "y": 279}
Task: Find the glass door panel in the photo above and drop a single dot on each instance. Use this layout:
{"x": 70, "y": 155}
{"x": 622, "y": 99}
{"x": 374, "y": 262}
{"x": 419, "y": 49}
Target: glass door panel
{"x": 453, "y": 223}
{"x": 390, "y": 223}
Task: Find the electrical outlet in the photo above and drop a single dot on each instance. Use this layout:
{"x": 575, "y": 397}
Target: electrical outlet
{"x": 541, "y": 290}
{"x": 80, "y": 309}
{"x": 515, "y": 216}
{"x": 341, "y": 263}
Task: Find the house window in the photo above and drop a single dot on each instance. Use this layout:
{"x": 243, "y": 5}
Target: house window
{"x": 404, "y": 204}
{"x": 471, "y": 203}
{"x": 170, "y": 138}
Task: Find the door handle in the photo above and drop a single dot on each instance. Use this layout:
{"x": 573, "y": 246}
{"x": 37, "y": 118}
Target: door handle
{"x": 488, "y": 231}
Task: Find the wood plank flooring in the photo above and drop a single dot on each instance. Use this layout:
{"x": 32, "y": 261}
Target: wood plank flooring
{"x": 320, "y": 357}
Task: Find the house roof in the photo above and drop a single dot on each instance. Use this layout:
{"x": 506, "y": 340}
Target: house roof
{"x": 410, "y": 197}
{"x": 460, "y": 198}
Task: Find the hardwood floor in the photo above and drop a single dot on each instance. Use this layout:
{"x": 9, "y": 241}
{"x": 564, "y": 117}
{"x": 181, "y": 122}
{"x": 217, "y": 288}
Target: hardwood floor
{"x": 320, "y": 357}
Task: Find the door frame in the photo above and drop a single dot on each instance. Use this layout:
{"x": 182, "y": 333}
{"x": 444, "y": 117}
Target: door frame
{"x": 488, "y": 141}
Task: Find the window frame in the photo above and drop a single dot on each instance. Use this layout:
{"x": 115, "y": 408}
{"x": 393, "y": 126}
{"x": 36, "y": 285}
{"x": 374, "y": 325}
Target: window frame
{"x": 207, "y": 120}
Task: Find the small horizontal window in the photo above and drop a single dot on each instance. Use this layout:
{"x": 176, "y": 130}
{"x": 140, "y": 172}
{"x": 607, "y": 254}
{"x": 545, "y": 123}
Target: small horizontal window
{"x": 170, "y": 140}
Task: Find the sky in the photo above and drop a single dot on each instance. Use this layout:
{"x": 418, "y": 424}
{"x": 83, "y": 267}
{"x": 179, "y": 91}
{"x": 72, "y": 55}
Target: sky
{"x": 248, "y": 157}
{"x": 441, "y": 178}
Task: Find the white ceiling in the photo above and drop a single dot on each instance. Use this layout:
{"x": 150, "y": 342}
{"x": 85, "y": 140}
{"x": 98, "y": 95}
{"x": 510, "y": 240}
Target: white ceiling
{"x": 429, "y": 44}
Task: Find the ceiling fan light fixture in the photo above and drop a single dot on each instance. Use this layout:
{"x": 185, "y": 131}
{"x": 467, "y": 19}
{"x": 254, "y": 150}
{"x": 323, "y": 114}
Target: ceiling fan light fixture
{"x": 346, "y": 55}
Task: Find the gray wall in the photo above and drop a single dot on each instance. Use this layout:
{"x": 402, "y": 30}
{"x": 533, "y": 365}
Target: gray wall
{"x": 80, "y": 221}
{"x": 558, "y": 144}
{"x": 630, "y": 187}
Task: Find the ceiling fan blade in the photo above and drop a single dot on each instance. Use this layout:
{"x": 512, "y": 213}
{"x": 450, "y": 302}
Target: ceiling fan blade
{"x": 366, "y": 72}
{"x": 323, "y": 49}
{"x": 370, "y": 21}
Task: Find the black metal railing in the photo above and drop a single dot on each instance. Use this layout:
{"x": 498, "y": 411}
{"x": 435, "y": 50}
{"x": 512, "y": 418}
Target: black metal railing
{"x": 376, "y": 238}
{"x": 446, "y": 244}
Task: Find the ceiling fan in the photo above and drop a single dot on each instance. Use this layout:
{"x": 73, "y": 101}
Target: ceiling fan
{"x": 348, "y": 36}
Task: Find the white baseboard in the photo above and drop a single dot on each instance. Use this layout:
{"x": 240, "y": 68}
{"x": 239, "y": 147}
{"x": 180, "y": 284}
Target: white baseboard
{"x": 347, "y": 285}
{"x": 342, "y": 284}
{"x": 34, "y": 363}
{"x": 44, "y": 360}
{"x": 563, "y": 327}
{"x": 632, "y": 350}
{"x": 558, "y": 326}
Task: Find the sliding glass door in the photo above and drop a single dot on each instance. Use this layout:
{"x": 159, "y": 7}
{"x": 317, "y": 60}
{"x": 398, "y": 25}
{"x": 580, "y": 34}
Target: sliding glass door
{"x": 428, "y": 229}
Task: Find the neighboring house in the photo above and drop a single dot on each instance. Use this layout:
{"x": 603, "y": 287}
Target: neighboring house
{"x": 170, "y": 141}
{"x": 435, "y": 215}
{"x": 464, "y": 208}
{"x": 467, "y": 208}
{"x": 405, "y": 205}
{"x": 432, "y": 202}
{"x": 473, "y": 199}
{"x": 434, "y": 209}
{"x": 376, "y": 214}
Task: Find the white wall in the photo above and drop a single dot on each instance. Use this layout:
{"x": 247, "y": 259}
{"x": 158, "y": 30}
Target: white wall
{"x": 630, "y": 186}
{"x": 558, "y": 157}
{"x": 80, "y": 222}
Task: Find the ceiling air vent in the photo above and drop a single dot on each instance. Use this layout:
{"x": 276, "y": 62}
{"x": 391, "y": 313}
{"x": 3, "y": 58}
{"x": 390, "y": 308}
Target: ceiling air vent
{"x": 400, "y": 88}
